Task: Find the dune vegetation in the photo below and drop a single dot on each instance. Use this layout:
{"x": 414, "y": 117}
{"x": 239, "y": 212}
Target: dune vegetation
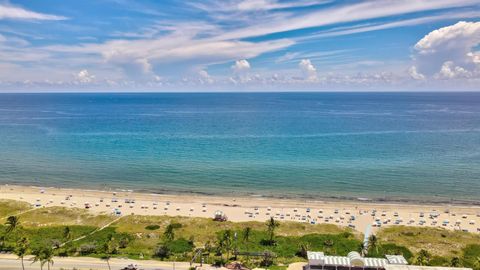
{"x": 76, "y": 232}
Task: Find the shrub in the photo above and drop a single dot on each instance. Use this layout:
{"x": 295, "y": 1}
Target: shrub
{"x": 391, "y": 249}
{"x": 180, "y": 245}
{"x": 86, "y": 249}
{"x": 176, "y": 225}
{"x": 152, "y": 227}
{"x": 162, "y": 252}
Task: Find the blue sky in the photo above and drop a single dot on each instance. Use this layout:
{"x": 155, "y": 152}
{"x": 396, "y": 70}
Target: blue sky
{"x": 239, "y": 45}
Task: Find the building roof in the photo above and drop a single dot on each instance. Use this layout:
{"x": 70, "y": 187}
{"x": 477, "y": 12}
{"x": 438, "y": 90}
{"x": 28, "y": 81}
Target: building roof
{"x": 418, "y": 267}
{"x": 396, "y": 259}
{"x": 353, "y": 259}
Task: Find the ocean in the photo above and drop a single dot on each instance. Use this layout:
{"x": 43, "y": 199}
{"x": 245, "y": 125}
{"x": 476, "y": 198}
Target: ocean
{"x": 378, "y": 146}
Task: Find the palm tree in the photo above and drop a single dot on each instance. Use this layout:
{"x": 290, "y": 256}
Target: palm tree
{"x": 109, "y": 249}
{"x": 21, "y": 249}
{"x": 227, "y": 242}
{"x": 13, "y": 222}
{"x": 43, "y": 255}
{"x": 373, "y": 242}
{"x": 38, "y": 257}
{"x": 48, "y": 256}
{"x": 67, "y": 234}
{"x": 220, "y": 246}
{"x": 423, "y": 257}
{"x": 246, "y": 237}
{"x": 169, "y": 233}
{"x": 246, "y": 234}
{"x": 272, "y": 224}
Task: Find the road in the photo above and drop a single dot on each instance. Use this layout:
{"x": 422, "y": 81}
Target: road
{"x": 11, "y": 262}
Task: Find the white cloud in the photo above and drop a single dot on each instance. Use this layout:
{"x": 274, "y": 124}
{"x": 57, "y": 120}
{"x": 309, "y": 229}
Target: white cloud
{"x": 241, "y": 66}
{"x": 412, "y": 71}
{"x": 450, "y": 71}
{"x": 18, "y": 13}
{"x": 83, "y": 76}
{"x": 448, "y": 52}
{"x": 342, "y": 14}
{"x": 361, "y": 28}
{"x": 308, "y": 69}
{"x": 249, "y": 5}
{"x": 205, "y": 78}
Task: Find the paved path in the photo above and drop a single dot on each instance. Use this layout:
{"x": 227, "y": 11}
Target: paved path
{"x": 11, "y": 262}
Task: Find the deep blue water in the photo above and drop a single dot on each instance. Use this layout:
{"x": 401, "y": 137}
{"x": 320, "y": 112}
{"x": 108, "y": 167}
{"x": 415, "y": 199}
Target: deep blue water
{"x": 417, "y": 146}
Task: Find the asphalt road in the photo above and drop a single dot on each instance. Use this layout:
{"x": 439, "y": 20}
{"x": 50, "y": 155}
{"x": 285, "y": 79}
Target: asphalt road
{"x": 11, "y": 262}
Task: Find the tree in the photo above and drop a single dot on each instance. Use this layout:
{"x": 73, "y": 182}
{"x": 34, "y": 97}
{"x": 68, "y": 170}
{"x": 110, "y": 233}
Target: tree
{"x": 2, "y": 241}
{"x": 373, "y": 243}
{"x": 423, "y": 257}
{"x": 303, "y": 249}
{"x": 13, "y": 222}
{"x": 38, "y": 257}
{"x": 44, "y": 256}
{"x": 169, "y": 233}
{"x": 48, "y": 256}
{"x": 227, "y": 242}
{"x": 109, "y": 248}
{"x": 67, "y": 234}
{"x": 272, "y": 224}
{"x": 162, "y": 252}
{"x": 246, "y": 237}
{"x": 224, "y": 243}
{"x": 246, "y": 234}
{"x": 21, "y": 249}
{"x": 455, "y": 262}
{"x": 123, "y": 242}
{"x": 476, "y": 264}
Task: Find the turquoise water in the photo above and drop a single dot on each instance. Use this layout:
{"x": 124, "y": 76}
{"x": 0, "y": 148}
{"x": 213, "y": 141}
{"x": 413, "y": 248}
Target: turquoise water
{"x": 395, "y": 146}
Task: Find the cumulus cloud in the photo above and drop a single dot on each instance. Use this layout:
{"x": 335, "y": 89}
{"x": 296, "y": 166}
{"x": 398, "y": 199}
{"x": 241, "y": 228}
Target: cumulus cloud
{"x": 241, "y": 66}
{"x": 241, "y": 72}
{"x": 18, "y": 13}
{"x": 412, "y": 71}
{"x": 308, "y": 69}
{"x": 449, "y": 52}
{"x": 450, "y": 71}
{"x": 205, "y": 78}
{"x": 84, "y": 76}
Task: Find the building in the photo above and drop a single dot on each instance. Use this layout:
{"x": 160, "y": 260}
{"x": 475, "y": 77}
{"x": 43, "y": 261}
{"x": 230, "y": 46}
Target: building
{"x": 318, "y": 260}
{"x": 354, "y": 261}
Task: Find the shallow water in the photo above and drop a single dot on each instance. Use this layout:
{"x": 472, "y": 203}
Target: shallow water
{"x": 413, "y": 146}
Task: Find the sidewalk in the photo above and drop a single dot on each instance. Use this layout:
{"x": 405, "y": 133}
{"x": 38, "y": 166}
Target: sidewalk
{"x": 11, "y": 262}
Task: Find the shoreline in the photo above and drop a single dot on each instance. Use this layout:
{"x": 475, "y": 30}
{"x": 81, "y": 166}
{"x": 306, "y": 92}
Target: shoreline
{"x": 423, "y": 201}
{"x": 244, "y": 209}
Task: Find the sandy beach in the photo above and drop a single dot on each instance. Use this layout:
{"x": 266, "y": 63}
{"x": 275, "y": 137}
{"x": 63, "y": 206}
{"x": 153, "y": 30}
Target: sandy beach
{"x": 357, "y": 215}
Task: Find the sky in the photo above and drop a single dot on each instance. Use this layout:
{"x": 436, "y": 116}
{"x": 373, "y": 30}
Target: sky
{"x": 239, "y": 45}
